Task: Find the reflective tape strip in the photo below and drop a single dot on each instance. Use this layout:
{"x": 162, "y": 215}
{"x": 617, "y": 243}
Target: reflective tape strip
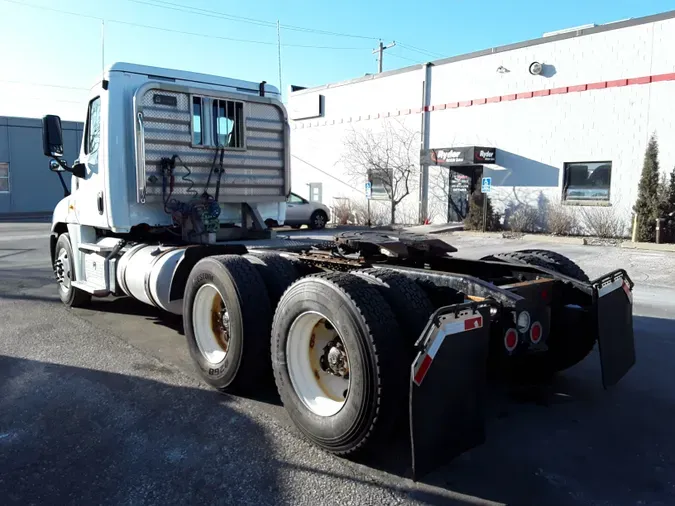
{"x": 629, "y": 293}
{"x": 454, "y": 327}
{"x": 422, "y": 369}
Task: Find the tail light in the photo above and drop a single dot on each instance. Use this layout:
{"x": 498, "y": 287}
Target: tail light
{"x": 536, "y": 332}
{"x": 511, "y": 340}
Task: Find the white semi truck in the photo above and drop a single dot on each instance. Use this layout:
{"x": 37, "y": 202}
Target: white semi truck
{"x": 178, "y": 174}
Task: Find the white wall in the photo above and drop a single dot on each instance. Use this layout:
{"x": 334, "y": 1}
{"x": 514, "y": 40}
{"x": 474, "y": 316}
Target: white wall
{"x": 317, "y": 145}
{"x": 534, "y": 136}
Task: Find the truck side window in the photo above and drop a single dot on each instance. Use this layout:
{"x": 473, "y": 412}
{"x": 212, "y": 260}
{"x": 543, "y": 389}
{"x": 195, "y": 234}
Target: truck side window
{"x": 197, "y": 121}
{"x": 229, "y": 123}
{"x": 93, "y": 133}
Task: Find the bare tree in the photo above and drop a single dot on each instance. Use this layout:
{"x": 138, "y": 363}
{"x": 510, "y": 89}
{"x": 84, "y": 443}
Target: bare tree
{"x": 389, "y": 156}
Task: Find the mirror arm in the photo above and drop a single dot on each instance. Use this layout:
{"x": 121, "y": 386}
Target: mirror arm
{"x": 62, "y": 163}
{"x": 66, "y": 192}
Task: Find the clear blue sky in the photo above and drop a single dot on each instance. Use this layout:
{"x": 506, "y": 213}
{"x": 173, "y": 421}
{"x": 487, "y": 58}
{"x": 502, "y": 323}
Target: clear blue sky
{"x": 41, "y": 47}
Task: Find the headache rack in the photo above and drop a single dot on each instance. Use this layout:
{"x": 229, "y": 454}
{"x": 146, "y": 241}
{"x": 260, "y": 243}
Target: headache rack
{"x": 200, "y": 127}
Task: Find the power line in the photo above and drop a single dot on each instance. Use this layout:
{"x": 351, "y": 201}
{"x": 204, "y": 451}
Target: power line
{"x": 170, "y": 30}
{"x": 45, "y": 8}
{"x": 404, "y": 58}
{"x": 260, "y": 22}
{"x": 421, "y": 51}
{"x": 25, "y": 83}
{"x": 232, "y": 39}
{"x": 324, "y": 172}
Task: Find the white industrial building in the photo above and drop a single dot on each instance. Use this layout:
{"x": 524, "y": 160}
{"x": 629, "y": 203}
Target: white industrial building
{"x": 563, "y": 118}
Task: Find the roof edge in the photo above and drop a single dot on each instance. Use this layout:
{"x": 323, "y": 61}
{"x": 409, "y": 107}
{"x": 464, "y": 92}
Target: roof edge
{"x": 617, "y": 25}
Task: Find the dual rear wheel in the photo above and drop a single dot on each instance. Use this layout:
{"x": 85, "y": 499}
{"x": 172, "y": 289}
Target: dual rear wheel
{"x": 339, "y": 354}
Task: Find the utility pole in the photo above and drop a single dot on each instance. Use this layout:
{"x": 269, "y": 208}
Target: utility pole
{"x": 102, "y": 47}
{"x": 380, "y": 52}
{"x": 281, "y": 91}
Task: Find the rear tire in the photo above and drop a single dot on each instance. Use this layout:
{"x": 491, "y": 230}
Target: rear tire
{"x": 544, "y": 258}
{"x": 407, "y": 299}
{"x": 366, "y": 327}
{"x": 564, "y": 351}
{"x": 277, "y": 272}
{"x": 227, "y": 319}
{"x": 64, "y": 261}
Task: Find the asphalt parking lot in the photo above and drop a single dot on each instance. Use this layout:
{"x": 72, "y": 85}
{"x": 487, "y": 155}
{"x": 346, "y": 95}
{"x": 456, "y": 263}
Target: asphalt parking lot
{"x": 103, "y": 406}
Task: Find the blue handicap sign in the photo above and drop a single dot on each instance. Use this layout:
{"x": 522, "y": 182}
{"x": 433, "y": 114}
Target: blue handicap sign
{"x": 369, "y": 189}
{"x": 486, "y": 185}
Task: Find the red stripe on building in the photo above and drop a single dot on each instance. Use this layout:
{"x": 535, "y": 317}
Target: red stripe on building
{"x": 597, "y": 86}
{"x": 663, "y": 77}
{"x": 422, "y": 371}
{"x": 618, "y": 82}
{"x": 522, "y": 95}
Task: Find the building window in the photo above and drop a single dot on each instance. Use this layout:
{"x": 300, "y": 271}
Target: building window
{"x": 587, "y": 181}
{"x": 92, "y": 135}
{"x": 4, "y": 177}
{"x": 217, "y": 123}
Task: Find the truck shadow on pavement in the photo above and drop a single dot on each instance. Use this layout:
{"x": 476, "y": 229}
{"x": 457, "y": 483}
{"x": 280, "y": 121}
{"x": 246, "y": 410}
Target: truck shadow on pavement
{"x": 94, "y": 437}
{"x": 97, "y": 437}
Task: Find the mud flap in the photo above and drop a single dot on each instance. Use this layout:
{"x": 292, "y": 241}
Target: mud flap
{"x": 447, "y": 383}
{"x": 614, "y": 305}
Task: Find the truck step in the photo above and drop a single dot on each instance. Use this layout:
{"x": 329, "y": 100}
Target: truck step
{"x": 86, "y": 287}
{"x": 89, "y": 247}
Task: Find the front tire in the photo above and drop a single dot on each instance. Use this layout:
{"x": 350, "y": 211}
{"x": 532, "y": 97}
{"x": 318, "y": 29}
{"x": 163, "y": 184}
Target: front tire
{"x": 227, "y": 319}
{"x": 343, "y": 315}
{"x": 318, "y": 220}
{"x": 64, "y": 268}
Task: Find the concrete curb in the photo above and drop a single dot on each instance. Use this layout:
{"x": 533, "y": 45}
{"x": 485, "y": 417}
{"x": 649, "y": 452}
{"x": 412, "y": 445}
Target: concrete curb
{"x": 581, "y": 241}
{"x": 648, "y": 246}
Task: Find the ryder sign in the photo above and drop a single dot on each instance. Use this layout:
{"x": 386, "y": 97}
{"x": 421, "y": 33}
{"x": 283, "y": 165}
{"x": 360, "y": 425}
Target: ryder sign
{"x": 465, "y": 155}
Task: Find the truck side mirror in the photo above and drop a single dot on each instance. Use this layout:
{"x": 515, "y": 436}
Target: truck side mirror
{"x": 52, "y": 136}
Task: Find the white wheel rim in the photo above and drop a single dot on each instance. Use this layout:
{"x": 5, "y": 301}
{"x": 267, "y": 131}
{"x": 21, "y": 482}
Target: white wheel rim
{"x": 63, "y": 263}
{"x": 210, "y": 321}
{"x": 321, "y": 391}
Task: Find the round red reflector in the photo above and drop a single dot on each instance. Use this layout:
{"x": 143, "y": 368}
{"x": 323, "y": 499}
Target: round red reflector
{"x": 511, "y": 339}
{"x": 535, "y": 332}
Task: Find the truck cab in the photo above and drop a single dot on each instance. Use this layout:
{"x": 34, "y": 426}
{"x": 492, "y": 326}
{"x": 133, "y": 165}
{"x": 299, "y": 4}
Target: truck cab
{"x": 221, "y": 135}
